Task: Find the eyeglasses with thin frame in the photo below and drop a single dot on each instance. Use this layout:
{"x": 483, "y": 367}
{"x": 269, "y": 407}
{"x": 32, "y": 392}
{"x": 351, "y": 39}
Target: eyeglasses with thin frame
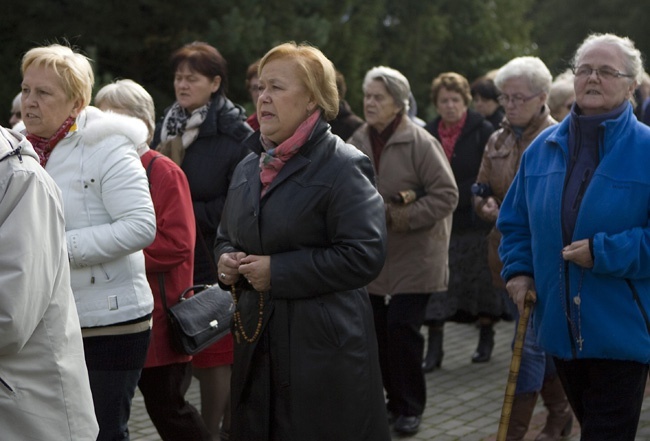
{"x": 604, "y": 73}
{"x": 517, "y": 100}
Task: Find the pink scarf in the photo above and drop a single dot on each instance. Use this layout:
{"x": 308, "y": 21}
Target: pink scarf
{"x": 449, "y": 135}
{"x": 274, "y": 158}
{"x": 44, "y": 146}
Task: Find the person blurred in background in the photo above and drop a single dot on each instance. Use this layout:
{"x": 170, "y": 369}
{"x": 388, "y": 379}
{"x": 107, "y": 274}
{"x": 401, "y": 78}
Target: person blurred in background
{"x": 44, "y": 383}
{"x": 346, "y": 122}
{"x": 485, "y": 97}
{"x": 561, "y": 95}
{"x": 303, "y": 233}
{"x": 463, "y": 134}
{"x": 253, "y": 88}
{"x": 575, "y": 232}
{"x": 169, "y": 262}
{"x": 525, "y": 83}
{"x": 15, "y": 114}
{"x": 109, "y": 219}
{"x": 203, "y": 132}
{"x": 413, "y": 111}
{"x": 416, "y": 181}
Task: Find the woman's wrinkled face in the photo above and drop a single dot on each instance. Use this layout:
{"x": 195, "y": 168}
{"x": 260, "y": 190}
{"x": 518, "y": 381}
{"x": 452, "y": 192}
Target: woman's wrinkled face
{"x": 450, "y": 106}
{"x": 596, "y": 95}
{"x": 193, "y": 90}
{"x": 379, "y": 107}
{"x": 520, "y": 102}
{"x": 284, "y": 101}
{"x": 44, "y": 103}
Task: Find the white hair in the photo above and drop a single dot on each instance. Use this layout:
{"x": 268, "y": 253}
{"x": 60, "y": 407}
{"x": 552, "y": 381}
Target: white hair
{"x": 396, "y": 84}
{"x": 530, "y": 68}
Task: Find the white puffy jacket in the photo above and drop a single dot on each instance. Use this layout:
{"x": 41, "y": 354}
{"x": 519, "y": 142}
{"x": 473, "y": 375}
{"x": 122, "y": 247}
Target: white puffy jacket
{"x": 109, "y": 216}
{"x": 44, "y": 388}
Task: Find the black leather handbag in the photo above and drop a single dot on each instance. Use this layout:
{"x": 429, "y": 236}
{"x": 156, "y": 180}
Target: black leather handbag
{"x": 198, "y": 321}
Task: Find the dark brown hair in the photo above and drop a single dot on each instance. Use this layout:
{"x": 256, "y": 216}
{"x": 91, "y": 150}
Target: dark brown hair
{"x": 204, "y": 59}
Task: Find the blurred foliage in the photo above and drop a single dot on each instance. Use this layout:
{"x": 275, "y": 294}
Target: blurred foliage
{"x": 421, "y": 38}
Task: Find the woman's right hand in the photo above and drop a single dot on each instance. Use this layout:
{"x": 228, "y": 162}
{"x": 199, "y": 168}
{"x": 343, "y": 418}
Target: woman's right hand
{"x": 517, "y": 288}
{"x": 228, "y": 267}
{"x": 490, "y": 209}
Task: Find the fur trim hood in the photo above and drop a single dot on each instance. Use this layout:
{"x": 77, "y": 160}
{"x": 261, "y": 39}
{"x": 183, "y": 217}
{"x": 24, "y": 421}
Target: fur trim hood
{"x": 96, "y": 126}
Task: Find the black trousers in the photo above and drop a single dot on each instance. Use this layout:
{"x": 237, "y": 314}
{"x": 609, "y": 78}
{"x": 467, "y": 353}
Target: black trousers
{"x": 401, "y": 346}
{"x": 606, "y": 396}
{"x": 163, "y": 389}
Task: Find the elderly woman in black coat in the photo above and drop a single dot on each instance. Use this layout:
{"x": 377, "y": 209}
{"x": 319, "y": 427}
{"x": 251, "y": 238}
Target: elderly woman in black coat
{"x": 303, "y": 232}
{"x": 463, "y": 134}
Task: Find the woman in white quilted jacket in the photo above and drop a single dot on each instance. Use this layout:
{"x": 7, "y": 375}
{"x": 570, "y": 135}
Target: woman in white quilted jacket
{"x": 109, "y": 220}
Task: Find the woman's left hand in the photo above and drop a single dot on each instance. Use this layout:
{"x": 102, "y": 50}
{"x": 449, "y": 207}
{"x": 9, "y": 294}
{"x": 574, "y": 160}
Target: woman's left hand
{"x": 257, "y": 270}
{"x": 579, "y": 253}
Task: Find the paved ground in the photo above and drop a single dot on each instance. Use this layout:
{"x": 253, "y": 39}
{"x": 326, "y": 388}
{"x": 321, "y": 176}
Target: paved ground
{"x": 464, "y": 399}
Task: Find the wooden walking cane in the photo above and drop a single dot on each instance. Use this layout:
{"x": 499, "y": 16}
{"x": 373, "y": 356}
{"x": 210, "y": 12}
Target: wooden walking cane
{"x": 515, "y": 362}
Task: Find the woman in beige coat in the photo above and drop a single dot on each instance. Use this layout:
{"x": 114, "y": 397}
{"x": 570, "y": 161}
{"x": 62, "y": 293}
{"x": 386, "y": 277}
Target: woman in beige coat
{"x": 419, "y": 191}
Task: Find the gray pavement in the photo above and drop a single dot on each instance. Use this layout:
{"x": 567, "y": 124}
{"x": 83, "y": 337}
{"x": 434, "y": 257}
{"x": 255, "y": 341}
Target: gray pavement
{"x": 463, "y": 399}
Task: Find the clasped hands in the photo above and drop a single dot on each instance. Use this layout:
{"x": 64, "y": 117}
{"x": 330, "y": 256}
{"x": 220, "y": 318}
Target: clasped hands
{"x": 577, "y": 252}
{"x": 255, "y": 269}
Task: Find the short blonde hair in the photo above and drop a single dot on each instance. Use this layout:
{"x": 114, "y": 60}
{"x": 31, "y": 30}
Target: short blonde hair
{"x": 316, "y": 71}
{"x": 71, "y": 67}
{"x": 131, "y": 99}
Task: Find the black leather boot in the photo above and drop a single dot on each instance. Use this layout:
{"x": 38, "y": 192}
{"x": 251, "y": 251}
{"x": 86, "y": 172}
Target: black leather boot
{"x": 433, "y": 359}
{"x": 485, "y": 345}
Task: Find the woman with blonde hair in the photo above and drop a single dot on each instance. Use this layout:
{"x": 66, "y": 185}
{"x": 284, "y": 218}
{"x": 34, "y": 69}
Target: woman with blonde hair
{"x": 109, "y": 219}
{"x": 302, "y": 234}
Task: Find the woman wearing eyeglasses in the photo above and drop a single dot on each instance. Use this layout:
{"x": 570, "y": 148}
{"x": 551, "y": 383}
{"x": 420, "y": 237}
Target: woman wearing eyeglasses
{"x": 575, "y": 227}
{"x": 524, "y": 83}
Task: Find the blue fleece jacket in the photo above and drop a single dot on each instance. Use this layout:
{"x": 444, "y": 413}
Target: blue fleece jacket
{"x": 585, "y": 313}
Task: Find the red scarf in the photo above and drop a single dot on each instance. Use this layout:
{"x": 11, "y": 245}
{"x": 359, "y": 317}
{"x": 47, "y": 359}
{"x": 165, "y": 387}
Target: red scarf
{"x": 378, "y": 140}
{"x": 272, "y": 161}
{"x": 44, "y": 146}
{"x": 449, "y": 135}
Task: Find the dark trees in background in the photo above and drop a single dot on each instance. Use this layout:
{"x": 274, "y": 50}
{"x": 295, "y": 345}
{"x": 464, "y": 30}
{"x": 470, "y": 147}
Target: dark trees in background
{"x": 422, "y": 38}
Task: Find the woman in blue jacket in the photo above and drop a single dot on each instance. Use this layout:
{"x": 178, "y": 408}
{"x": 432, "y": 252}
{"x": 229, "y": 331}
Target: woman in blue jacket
{"x": 575, "y": 228}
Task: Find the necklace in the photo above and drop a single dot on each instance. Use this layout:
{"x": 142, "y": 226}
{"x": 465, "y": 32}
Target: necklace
{"x": 240, "y": 331}
{"x": 577, "y": 301}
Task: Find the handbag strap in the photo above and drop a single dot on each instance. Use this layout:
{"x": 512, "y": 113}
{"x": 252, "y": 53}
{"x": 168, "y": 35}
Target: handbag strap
{"x": 161, "y": 289}
{"x": 149, "y": 167}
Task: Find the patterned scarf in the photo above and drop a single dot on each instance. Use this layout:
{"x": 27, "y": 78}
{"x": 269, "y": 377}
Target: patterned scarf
{"x": 44, "y": 146}
{"x": 272, "y": 161}
{"x": 449, "y": 135}
{"x": 179, "y": 122}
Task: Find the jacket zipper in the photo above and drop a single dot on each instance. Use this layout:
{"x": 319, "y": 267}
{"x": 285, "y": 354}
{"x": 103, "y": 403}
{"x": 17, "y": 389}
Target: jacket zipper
{"x": 581, "y": 190}
{"x": 637, "y": 300}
